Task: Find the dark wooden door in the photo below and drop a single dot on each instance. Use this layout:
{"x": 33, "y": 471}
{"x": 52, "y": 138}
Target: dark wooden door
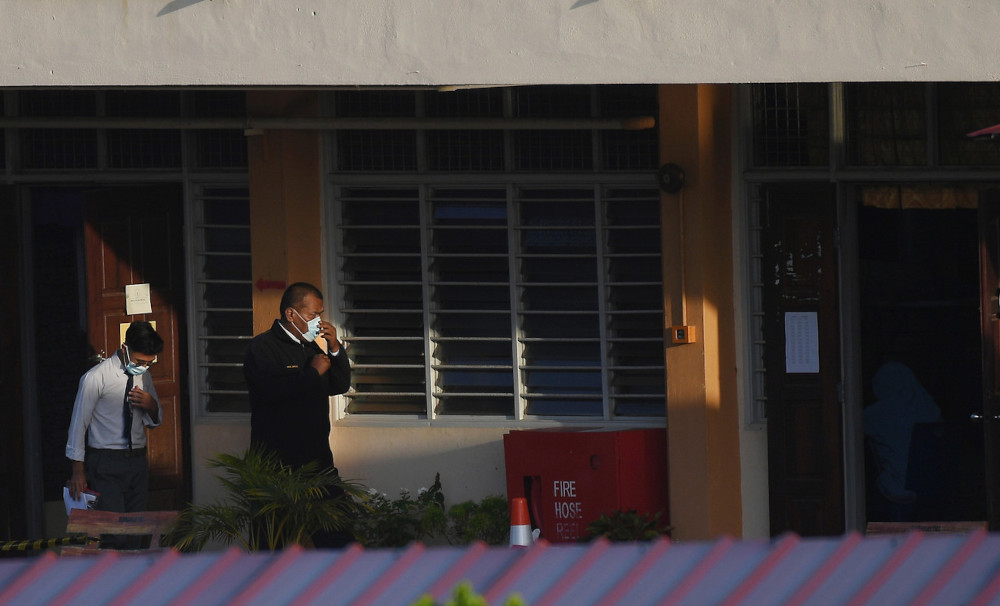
{"x": 133, "y": 236}
{"x": 989, "y": 266}
{"x": 804, "y": 428}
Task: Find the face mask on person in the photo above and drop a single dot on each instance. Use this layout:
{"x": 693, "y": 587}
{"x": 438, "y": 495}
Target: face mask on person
{"x": 312, "y": 327}
{"x": 131, "y": 367}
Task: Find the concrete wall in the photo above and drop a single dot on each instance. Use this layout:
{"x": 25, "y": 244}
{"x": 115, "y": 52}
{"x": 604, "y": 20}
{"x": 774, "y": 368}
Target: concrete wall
{"x": 458, "y": 42}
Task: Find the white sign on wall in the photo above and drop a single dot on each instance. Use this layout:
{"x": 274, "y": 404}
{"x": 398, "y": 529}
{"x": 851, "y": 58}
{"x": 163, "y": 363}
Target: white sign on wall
{"x": 801, "y": 342}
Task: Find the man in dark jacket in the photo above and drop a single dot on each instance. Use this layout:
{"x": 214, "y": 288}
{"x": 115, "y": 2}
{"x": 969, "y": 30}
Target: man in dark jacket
{"x": 291, "y": 379}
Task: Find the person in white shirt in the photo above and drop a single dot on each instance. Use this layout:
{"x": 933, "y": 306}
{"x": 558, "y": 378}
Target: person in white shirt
{"x": 115, "y": 402}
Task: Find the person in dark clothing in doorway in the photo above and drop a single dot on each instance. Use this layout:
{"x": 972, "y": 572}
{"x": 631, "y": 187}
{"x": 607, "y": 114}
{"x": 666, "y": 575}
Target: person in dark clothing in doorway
{"x": 291, "y": 378}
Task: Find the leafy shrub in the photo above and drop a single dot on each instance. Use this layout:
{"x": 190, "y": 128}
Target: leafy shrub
{"x": 627, "y": 526}
{"x": 385, "y": 522}
{"x": 487, "y": 521}
{"x": 268, "y": 505}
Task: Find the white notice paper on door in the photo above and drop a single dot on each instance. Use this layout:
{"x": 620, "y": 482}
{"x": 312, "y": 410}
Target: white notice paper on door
{"x": 801, "y": 342}
{"x": 137, "y": 299}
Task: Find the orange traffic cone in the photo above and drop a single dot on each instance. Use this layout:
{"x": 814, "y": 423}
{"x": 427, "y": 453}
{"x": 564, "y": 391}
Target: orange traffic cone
{"x": 520, "y": 523}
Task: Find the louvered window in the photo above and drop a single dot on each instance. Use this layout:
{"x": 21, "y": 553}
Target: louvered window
{"x": 500, "y": 273}
{"x": 223, "y": 295}
{"x": 522, "y": 300}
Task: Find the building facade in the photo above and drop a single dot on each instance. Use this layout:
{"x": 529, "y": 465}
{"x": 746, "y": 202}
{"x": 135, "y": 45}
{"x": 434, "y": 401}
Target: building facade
{"x": 479, "y": 193}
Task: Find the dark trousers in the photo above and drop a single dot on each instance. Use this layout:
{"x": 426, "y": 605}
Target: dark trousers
{"x": 122, "y": 480}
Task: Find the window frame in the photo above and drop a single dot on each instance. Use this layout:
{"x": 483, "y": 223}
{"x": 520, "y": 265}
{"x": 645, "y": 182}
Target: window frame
{"x": 194, "y": 250}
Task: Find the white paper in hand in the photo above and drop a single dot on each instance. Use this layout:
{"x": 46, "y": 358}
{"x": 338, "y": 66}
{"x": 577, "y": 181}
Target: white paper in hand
{"x": 86, "y": 500}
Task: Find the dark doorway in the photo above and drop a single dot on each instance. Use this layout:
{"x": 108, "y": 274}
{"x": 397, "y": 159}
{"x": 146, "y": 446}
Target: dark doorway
{"x": 59, "y": 322}
{"x": 13, "y": 515}
{"x": 63, "y": 297}
{"x": 921, "y": 359}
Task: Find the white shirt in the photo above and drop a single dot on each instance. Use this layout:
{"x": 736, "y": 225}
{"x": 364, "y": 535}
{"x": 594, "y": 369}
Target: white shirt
{"x": 97, "y": 413}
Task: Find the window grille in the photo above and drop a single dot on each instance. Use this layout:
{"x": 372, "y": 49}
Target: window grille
{"x": 791, "y": 125}
{"x": 553, "y": 101}
{"x": 757, "y": 411}
{"x": 63, "y": 103}
{"x": 222, "y": 278}
{"x": 375, "y": 104}
{"x": 887, "y": 124}
{"x": 63, "y": 149}
{"x": 133, "y": 149}
{"x": 465, "y": 150}
{"x": 377, "y": 150}
{"x": 471, "y": 103}
{"x": 143, "y": 148}
{"x": 218, "y": 149}
{"x": 964, "y": 107}
{"x": 3, "y": 134}
{"x": 553, "y": 151}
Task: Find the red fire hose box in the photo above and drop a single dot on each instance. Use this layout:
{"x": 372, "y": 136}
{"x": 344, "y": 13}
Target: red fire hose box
{"x": 571, "y": 477}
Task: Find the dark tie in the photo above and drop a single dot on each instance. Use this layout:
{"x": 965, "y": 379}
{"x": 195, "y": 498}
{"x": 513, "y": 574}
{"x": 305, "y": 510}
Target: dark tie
{"x": 127, "y": 414}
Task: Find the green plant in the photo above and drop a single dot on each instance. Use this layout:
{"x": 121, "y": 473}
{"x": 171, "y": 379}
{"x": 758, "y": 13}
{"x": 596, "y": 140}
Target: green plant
{"x": 487, "y": 521}
{"x": 395, "y": 523}
{"x": 386, "y": 522}
{"x": 267, "y": 505}
{"x": 465, "y": 596}
{"x": 627, "y": 526}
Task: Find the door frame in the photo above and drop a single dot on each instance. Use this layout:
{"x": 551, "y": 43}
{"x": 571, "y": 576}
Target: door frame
{"x": 23, "y": 324}
{"x": 855, "y": 506}
{"x": 851, "y": 365}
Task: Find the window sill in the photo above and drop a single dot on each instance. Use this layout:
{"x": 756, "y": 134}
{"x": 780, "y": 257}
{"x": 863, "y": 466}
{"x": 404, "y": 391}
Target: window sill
{"x": 403, "y": 421}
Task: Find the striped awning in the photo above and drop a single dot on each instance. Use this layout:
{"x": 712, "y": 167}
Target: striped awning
{"x": 911, "y": 568}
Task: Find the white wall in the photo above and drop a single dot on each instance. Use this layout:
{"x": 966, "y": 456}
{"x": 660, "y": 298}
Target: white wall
{"x": 208, "y": 440}
{"x": 456, "y": 42}
{"x": 470, "y": 460}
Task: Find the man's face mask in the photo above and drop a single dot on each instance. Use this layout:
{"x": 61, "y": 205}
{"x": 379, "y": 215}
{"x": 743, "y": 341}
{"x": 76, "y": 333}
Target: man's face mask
{"x": 131, "y": 367}
{"x": 312, "y": 328}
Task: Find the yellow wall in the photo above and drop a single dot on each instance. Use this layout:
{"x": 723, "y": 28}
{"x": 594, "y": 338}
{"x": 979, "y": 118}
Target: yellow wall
{"x": 702, "y": 409}
{"x": 285, "y": 200}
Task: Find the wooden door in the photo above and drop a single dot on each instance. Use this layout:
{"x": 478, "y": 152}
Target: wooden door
{"x": 133, "y": 236}
{"x": 989, "y": 271}
{"x": 804, "y": 427}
